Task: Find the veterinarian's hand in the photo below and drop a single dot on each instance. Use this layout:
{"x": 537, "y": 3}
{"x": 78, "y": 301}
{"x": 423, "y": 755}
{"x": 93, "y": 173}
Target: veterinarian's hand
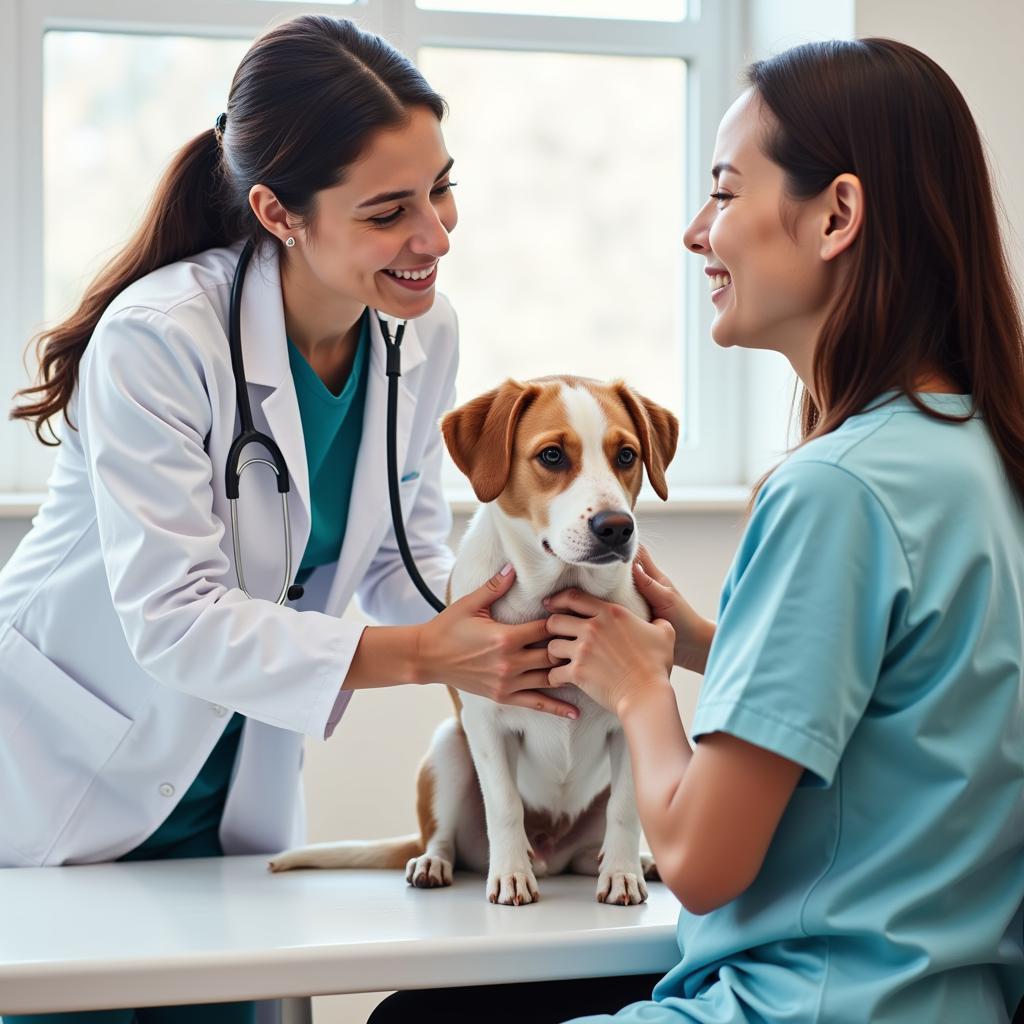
{"x": 465, "y": 648}
{"x": 606, "y": 650}
{"x": 693, "y": 632}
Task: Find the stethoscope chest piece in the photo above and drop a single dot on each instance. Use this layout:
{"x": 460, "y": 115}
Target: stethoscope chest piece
{"x": 247, "y": 435}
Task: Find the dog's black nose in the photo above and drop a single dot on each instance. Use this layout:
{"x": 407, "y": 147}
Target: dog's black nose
{"x": 612, "y": 528}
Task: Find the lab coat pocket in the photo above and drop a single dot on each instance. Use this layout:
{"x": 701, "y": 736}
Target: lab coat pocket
{"x": 408, "y": 487}
{"x": 55, "y": 736}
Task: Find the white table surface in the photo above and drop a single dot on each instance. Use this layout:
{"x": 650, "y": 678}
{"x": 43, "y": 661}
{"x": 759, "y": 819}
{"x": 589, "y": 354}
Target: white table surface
{"x": 162, "y": 932}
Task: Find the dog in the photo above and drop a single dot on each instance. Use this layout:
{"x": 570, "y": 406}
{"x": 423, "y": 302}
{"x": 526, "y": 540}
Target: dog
{"x": 557, "y": 463}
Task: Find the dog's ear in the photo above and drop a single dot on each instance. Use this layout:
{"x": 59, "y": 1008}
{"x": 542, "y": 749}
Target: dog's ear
{"x": 480, "y": 434}
{"x": 659, "y": 434}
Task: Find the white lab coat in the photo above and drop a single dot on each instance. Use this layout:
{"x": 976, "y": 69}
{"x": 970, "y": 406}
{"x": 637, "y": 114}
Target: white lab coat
{"x": 125, "y": 642}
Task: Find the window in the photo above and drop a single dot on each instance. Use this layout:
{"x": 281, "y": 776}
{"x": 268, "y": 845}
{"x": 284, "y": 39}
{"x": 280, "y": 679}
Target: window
{"x": 571, "y": 202}
{"x": 582, "y": 132}
{"x": 110, "y": 126}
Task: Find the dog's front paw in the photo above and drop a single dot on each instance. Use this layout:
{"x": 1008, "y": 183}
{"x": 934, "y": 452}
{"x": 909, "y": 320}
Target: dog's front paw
{"x": 624, "y": 886}
{"x": 428, "y": 872}
{"x": 513, "y": 888}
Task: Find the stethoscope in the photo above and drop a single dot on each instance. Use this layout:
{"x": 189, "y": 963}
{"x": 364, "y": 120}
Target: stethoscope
{"x": 248, "y": 434}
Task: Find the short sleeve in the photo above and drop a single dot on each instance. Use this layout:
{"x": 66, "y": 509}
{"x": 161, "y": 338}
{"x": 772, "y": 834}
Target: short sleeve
{"x": 806, "y": 613}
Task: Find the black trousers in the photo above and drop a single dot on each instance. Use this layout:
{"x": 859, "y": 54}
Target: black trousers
{"x": 538, "y": 1002}
{"x": 544, "y": 1002}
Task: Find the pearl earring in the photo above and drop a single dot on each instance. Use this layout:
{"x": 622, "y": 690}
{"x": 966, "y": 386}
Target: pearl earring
{"x": 289, "y": 241}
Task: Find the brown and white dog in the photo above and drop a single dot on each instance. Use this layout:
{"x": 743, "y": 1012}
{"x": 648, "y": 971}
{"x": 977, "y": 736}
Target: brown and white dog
{"x": 505, "y": 791}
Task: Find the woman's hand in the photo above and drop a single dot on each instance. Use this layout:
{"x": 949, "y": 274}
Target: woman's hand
{"x": 610, "y": 653}
{"x": 465, "y": 648}
{"x": 693, "y": 633}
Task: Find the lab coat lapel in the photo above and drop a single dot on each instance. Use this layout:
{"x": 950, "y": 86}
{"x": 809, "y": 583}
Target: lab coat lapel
{"x": 369, "y": 515}
{"x": 265, "y": 350}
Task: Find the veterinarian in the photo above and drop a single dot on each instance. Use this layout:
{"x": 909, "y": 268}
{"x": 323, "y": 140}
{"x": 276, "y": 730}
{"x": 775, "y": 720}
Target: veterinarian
{"x": 149, "y": 708}
{"x": 847, "y": 835}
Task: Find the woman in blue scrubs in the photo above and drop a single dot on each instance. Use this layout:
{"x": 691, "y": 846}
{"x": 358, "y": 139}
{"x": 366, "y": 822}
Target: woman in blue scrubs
{"x": 846, "y": 835}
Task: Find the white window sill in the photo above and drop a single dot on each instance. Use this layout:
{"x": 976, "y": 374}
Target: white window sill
{"x": 19, "y": 504}
{"x": 725, "y": 500}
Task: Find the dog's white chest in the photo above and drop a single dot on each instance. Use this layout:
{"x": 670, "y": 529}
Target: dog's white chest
{"x": 560, "y": 765}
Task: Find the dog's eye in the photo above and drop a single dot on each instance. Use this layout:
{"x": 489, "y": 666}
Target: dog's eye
{"x": 627, "y": 456}
{"x": 552, "y": 456}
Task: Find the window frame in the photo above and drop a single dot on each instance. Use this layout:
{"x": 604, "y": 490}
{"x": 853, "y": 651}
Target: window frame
{"x": 712, "y": 463}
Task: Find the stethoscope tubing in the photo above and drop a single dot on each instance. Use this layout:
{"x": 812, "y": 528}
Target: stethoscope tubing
{"x": 394, "y": 371}
{"x": 248, "y": 434}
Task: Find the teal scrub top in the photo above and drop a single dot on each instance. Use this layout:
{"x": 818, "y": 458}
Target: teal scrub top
{"x": 871, "y": 629}
{"x": 332, "y": 428}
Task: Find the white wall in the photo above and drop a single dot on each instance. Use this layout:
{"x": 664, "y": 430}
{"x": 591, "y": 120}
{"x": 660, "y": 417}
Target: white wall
{"x": 979, "y": 45}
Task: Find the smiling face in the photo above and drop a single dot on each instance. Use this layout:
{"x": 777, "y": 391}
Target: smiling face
{"x": 565, "y": 456}
{"x": 376, "y": 238}
{"x": 770, "y": 284}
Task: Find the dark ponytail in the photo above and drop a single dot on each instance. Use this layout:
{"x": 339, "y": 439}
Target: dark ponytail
{"x": 304, "y": 102}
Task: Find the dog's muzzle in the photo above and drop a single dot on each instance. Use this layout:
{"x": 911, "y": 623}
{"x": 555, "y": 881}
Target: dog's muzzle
{"x": 613, "y": 530}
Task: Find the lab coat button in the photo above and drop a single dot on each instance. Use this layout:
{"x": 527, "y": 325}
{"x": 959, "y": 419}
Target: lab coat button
{"x": 166, "y": 789}
{"x": 218, "y": 710}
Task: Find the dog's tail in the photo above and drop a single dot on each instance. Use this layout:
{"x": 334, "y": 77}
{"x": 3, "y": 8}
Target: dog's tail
{"x": 354, "y": 853}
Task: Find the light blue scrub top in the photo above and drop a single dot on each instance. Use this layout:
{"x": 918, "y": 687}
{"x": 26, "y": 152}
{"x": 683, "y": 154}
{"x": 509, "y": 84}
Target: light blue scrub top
{"x": 871, "y": 629}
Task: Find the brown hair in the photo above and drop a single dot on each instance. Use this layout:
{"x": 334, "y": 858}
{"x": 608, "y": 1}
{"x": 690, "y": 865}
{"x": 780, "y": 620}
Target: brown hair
{"x": 303, "y": 104}
{"x": 929, "y": 287}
